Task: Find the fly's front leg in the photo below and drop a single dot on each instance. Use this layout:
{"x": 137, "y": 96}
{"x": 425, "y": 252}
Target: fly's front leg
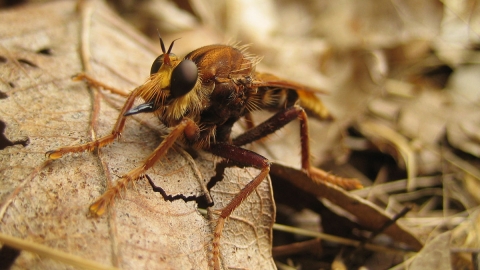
{"x": 186, "y": 127}
{"x": 116, "y": 132}
{"x": 279, "y": 120}
{"x": 243, "y": 157}
{"x": 95, "y": 83}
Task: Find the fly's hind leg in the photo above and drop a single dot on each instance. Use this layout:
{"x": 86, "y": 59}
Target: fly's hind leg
{"x": 243, "y": 157}
{"x": 279, "y": 120}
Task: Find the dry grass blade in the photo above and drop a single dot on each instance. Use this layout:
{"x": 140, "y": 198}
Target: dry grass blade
{"x": 51, "y": 253}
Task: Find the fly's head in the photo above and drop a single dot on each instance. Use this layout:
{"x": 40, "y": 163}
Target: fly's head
{"x": 173, "y": 89}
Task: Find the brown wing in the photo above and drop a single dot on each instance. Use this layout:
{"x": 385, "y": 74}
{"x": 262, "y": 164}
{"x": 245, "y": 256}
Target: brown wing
{"x": 306, "y": 95}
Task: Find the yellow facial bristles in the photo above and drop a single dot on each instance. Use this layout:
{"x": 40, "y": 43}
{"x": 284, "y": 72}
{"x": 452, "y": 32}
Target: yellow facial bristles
{"x": 151, "y": 90}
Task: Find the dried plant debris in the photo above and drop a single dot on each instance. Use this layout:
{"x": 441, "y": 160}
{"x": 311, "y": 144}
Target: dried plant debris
{"x": 401, "y": 79}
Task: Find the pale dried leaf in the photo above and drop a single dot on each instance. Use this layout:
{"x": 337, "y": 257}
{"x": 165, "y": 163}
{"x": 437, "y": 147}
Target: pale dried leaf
{"x": 452, "y": 249}
{"x": 47, "y": 202}
{"x": 424, "y": 117}
{"x": 435, "y": 255}
{"x": 460, "y": 28}
{"x": 432, "y": 114}
{"x": 370, "y": 24}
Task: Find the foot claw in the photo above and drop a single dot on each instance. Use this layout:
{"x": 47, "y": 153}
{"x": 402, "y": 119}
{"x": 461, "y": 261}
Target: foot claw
{"x": 99, "y": 207}
{"x": 53, "y": 154}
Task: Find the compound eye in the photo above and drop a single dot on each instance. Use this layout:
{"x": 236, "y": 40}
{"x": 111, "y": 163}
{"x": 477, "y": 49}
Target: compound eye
{"x": 156, "y": 65}
{"x": 184, "y": 78}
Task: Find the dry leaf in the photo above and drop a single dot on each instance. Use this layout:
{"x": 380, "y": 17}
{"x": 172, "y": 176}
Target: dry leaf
{"x": 452, "y": 249}
{"x": 435, "y": 255}
{"x": 460, "y": 28}
{"x": 47, "y": 202}
{"x": 431, "y": 114}
{"x": 368, "y": 215}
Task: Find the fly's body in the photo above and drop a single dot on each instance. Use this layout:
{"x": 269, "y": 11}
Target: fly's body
{"x": 200, "y": 98}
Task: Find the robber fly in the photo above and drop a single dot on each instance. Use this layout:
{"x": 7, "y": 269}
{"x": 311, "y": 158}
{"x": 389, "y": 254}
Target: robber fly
{"x": 200, "y": 97}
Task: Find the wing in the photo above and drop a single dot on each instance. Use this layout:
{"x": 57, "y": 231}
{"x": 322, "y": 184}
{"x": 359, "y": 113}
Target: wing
{"x": 277, "y": 93}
